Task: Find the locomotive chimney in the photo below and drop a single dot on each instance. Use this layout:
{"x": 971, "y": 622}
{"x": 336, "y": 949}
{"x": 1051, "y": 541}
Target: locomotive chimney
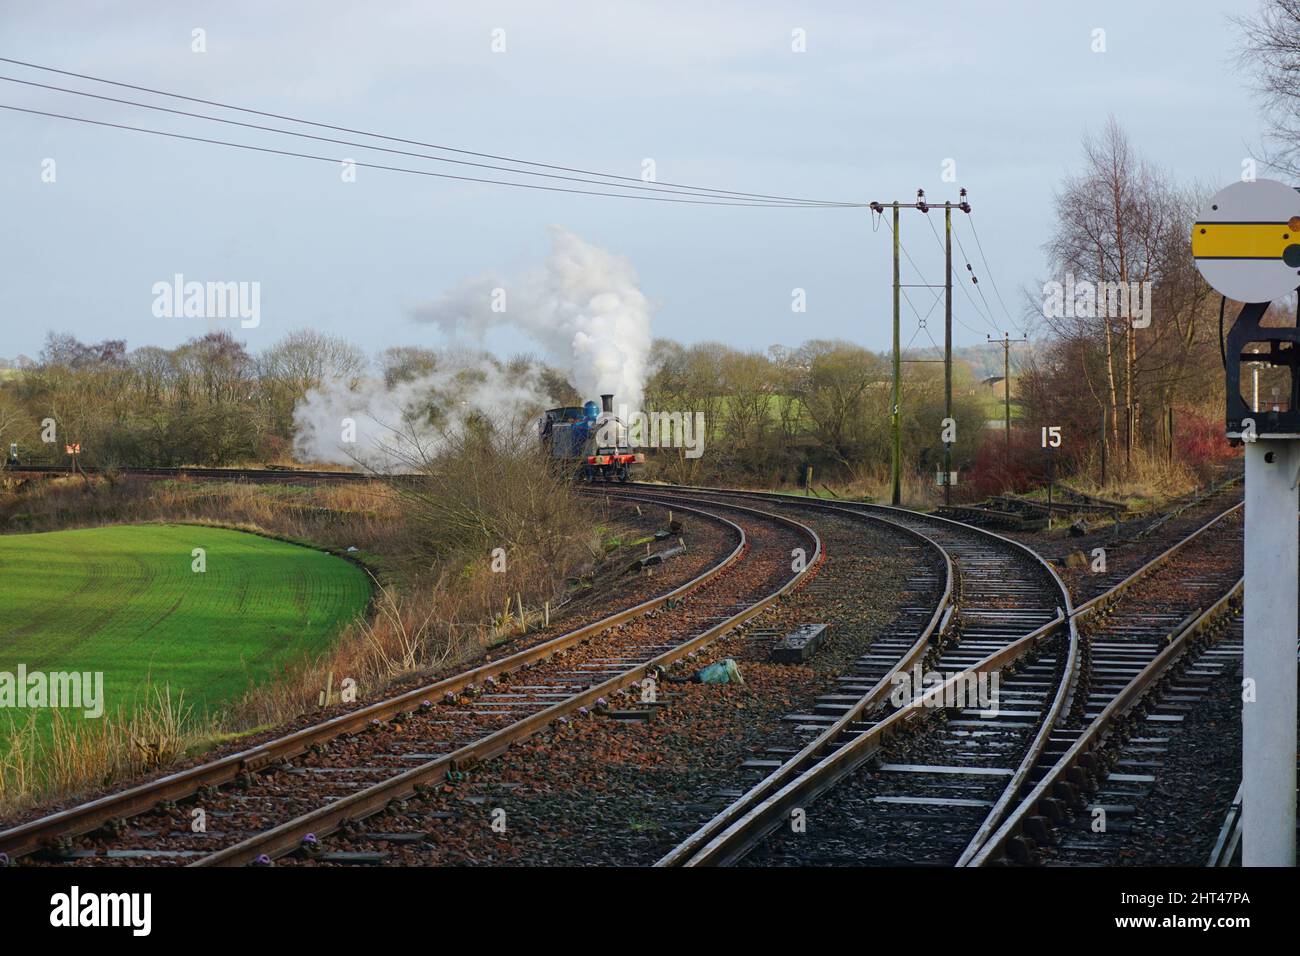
{"x": 607, "y": 403}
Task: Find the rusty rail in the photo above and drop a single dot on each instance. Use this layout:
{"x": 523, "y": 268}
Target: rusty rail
{"x": 759, "y": 820}
{"x": 800, "y": 762}
{"x": 1065, "y": 691}
{"x": 1079, "y": 760}
{"x": 288, "y": 836}
{"x": 28, "y": 837}
{"x": 738, "y": 827}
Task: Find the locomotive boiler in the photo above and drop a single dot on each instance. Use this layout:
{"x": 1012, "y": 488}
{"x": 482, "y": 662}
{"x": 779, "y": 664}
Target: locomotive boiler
{"x": 592, "y": 439}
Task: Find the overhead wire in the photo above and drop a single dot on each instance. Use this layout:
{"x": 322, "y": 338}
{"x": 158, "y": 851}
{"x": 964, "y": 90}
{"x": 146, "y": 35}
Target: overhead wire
{"x": 353, "y": 143}
{"x": 403, "y": 169}
{"x": 975, "y": 280}
{"x": 988, "y": 270}
{"x": 618, "y": 179}
{"x": 969, "y": 297}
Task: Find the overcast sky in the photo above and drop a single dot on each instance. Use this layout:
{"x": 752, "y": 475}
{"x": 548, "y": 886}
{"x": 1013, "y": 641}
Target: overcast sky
{"x": 713, "y": 93}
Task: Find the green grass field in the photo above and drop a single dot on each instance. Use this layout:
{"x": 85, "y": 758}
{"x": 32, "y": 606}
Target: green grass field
{"x": 125, "y": 600}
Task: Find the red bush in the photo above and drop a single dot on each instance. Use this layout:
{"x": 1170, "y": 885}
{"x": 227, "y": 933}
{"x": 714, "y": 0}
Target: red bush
{"x": 1199, "y": 441}
{"x": 996, "y": 472}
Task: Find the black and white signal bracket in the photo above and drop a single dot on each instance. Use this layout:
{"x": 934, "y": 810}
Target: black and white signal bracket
{"x": 1247, "y": 246}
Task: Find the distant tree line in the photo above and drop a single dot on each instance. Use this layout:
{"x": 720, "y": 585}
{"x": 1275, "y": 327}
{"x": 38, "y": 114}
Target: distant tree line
{"x": 212, "y": 402}
{"x": 1136, "y": 338}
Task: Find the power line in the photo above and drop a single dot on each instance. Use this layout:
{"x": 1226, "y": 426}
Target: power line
{"x": 969, "y": 297}
{"x": 384, "y": 149}
{"x": 988, "y": 270}
{"x": 921, "y": 276}
{"x": 975, "y": 280}
{"x": 412, "y": 142}
{"x": 404, "y": 169}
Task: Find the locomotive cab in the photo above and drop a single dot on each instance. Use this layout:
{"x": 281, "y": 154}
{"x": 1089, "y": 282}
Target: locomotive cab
{"x": 592, "y": 437}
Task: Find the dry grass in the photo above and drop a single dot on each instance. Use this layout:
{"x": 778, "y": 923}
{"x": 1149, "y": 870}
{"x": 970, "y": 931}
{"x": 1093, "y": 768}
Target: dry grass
{"x": 452, "y": 606}
{"x": 1147, "y": 480}
{"x": 438, "y": 604}
{"x": 73, "y": 755}
{"x": 917, "y": 491}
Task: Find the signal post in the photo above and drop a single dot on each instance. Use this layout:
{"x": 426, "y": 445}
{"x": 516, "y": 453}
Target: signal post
{"x": 1247, "y": 246}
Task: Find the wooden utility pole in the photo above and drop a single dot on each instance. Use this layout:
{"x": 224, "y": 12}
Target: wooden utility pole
{"x": 1170, "y": 430}
{"x": 896, "y": 457}
{"x": 896, "y": 460}
{"x": 947, "y": 347}
{"x": 1006, "y": 381}
{"x": 1051, "y": 481}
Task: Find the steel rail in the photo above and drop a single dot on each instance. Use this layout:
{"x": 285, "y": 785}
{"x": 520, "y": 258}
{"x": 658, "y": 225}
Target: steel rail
{"x": 867, "y": 507}
{"x": 1225, "y": 847}
{"x": 1078, "y": 760}
{"x": 738, "y": 827}
{"x": 256, "y": 475}
{"x": 1060, "y": 704}
{"x": 1109, "y": 596}
{"x": 809, "y": 755}
{"x": 86, "y": 817}
{"x": 1229, "y": 839}
{"x": 705, "y": 847}
{"x": 736, "y": 840}
{"x": 1065, "y": 691}
{"x": 28, "y": 837}
{"x": 289, "y": 835}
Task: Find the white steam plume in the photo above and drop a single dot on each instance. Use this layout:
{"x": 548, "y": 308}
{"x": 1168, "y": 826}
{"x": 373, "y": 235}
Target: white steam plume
{"x": 583, "y": 308}
{"x": 392, "y": 428}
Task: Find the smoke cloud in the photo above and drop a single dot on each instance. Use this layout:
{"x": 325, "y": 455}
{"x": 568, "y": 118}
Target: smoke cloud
{"x": 584, "y": 308}
{"x": 398, "y": 427}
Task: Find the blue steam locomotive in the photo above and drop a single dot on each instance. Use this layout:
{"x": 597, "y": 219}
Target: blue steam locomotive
{"x": 592, "y": 439}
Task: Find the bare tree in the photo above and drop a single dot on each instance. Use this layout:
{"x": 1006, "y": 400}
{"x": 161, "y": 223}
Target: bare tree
{"x": 1117, "y": 220}
{"x": 1270, "y": 52}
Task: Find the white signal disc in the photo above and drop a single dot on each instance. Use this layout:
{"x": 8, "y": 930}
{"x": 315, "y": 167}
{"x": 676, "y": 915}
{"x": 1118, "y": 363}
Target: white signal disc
{"x": 1246, "y": 242}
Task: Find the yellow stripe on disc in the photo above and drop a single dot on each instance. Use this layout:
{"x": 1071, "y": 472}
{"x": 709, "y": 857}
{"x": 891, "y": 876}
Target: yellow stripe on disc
{"x": 1245, "y": 243}
{"x": 1241, "y": 240}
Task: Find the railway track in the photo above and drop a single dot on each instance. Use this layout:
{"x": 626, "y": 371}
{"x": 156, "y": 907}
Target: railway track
{"x": 967, "y": 769}
{"x": 975, "y": 796}
{"x": 1227, "y": 849}
{"x": 289, "y": 793}
{"x": 1008, "y": 605}
{"x": 1133, "y": 544}
{"x": 1150, "y": 646}
{"x": 623, "y": 791}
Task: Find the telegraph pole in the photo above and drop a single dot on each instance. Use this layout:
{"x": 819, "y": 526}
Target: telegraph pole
{"x": 1006, "y": 381}
{"x": 896, "y": 457}
{"x": 947, "y": 347}
{"x": 895, "y": 495}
